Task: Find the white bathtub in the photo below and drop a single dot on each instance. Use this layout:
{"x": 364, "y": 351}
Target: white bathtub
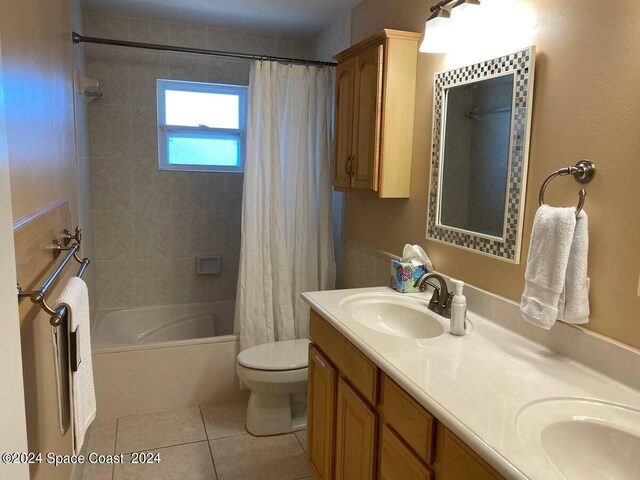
{"x": 157, "y": 358}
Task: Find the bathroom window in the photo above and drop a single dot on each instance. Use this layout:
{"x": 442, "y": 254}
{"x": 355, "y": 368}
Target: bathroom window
{"x": 201, "y": 126}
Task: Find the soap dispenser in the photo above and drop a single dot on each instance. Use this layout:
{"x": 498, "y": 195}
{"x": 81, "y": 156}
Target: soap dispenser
{"x": 458, "y": 310}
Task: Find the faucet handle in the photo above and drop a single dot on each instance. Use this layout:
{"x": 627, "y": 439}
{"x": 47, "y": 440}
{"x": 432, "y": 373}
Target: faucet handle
{"x": 435, "y": 298}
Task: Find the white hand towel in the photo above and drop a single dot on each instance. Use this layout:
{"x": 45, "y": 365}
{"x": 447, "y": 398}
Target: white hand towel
{"x": 551, "y": 239}
{"x": 573, "y": 306}
{"x": 83, "y": 396}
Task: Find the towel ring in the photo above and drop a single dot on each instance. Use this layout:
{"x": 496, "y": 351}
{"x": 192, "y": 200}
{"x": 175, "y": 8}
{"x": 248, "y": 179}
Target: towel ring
{"x": 583, "y": 172}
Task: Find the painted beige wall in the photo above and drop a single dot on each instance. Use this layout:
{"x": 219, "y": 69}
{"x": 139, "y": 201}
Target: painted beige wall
{"x": 38, "y": 85}
{"x": 13, "y": 436}
{"x": 586, "y": 105}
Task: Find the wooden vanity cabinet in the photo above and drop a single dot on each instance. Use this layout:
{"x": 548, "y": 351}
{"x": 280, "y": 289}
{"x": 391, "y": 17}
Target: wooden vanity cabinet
{"x": 356, "y": 430}
{"x": 364, "y": 426}
{"x": 374, "y": 110}
{"x": 321, "y": 414}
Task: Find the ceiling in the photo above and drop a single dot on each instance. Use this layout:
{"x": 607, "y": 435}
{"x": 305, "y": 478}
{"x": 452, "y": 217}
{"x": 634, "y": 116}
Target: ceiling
{"x": 287, "y": 17}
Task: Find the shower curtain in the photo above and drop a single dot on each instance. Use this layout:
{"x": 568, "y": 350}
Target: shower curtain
{"x": 286, "y": 245}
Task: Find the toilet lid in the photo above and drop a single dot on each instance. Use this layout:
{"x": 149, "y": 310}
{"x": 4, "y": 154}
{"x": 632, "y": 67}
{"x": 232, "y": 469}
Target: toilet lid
{"x": 284, "y": 355}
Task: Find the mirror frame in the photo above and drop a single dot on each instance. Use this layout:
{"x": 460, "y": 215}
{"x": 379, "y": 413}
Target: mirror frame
{"x": 520, "y": 64}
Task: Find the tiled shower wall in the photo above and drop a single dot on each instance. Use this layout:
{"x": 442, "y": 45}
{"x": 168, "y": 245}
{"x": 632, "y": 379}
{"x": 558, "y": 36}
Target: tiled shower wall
{"x": 150, "y": 225}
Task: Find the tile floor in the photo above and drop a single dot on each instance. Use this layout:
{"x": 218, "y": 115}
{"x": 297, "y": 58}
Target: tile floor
{"x": 195, "y": 443}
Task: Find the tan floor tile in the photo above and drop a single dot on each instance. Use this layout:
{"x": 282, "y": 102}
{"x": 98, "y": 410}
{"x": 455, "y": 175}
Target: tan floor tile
{"x": 95, "y": 471}
{"x": 189, "y": 462}
{"x": 266, "y": 458}
{"x": 160, "y": 429}
{"x": 102, "y": 437}
{"x": 225, "y": 419}
{"x": 302, "y": 438}
{"x": 101, "y": 440}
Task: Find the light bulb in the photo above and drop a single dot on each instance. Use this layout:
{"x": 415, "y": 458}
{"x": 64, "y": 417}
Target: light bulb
{"x": 436, "y": 33}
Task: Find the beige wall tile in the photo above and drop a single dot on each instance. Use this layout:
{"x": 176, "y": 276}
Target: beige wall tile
{"x": 146, "y": 67}
{"x": 112, "y": 182}
{"x": 151, "y": 188}
{"x": 107, "y": 26}
{"x": 292, "y": 47}
{"x": 152, "y": 233}
{"x": 185, "y": 35}
{"x": 110, "y": 66}
{"x": 115, "y": 284}
{"x": 148, "y": 31}
{"x": 259, "y": 43}
{"x": 114, "y": 234}
{"x": 223, "y": 39}
{"x": 188, "y": 67}
{"x": 144, "y": 132}
{"x": 228, "y": 71}
{"x": 109, "y": 130}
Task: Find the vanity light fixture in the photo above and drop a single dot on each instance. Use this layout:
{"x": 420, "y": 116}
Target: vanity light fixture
{"x": 438, "y": 30}
{"x": 466, "y": 6}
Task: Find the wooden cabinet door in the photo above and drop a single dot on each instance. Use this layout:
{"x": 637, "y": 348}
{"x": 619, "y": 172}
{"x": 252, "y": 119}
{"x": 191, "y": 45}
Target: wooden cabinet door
{"x": 398, "y": 462}
{"x": 321, "y": 414}
{"x": 367, "y": 118}
{"x": 459, "y": 462}
{"x": 355, "y": 436}
{"x": 343, "y": 127}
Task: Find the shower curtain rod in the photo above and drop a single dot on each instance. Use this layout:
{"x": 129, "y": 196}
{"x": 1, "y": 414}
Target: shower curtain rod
{"x": 77, "y": 38}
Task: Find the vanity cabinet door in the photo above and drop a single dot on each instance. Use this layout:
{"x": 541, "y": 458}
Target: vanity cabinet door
{"x": 459, "y": 462}
{"x": 321, "y": 417}
{"x": 343, "y": 117}
{"x": 367, "y": 118}
{"x": 355, "y": 436}
{"x": 398, "y": 462}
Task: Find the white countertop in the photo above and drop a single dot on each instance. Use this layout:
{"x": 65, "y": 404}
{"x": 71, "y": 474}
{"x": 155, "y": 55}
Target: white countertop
{"x": 478, "y": 384}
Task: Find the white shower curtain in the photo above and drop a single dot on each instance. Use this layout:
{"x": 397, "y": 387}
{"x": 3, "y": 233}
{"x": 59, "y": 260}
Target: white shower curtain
{"x": 287, "y": 245}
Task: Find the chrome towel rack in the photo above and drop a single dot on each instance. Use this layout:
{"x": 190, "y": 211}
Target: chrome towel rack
{"x": 583, "y": 172}
{"x": 73, "y": 251}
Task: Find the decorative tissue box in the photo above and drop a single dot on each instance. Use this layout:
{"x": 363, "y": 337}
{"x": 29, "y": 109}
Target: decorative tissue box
{"x": 404, "y": 275}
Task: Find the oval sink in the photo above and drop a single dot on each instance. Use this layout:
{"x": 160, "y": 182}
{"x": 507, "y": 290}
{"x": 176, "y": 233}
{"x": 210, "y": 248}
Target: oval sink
{"x": 406, "y": 317}
{"x": 584, "y": 438}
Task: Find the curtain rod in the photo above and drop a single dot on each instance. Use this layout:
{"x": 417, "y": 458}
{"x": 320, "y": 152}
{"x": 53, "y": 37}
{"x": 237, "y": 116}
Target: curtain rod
{"x": 77, "y": 38}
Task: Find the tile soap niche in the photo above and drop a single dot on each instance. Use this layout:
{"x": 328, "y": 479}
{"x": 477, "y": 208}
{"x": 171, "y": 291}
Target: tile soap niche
{"x": 208, "y": 265}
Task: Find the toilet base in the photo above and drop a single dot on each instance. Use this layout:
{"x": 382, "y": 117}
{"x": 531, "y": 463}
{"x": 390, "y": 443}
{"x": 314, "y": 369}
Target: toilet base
{"x": 273, "y": 414}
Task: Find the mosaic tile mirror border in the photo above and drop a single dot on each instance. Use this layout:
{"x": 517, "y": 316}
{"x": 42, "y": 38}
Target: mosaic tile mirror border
{"x": 521, "y": 65}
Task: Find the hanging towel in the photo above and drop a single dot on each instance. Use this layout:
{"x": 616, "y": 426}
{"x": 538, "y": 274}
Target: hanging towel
{"x": 83, "y": 396}
{"x": 60, "y": 339}
{"x": 545, "y": 276}
{"x": 573, "y": 306}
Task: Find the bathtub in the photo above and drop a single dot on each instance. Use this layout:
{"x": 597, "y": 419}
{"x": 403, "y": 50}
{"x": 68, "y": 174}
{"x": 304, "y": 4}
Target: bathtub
{"x": 157, "y": 358}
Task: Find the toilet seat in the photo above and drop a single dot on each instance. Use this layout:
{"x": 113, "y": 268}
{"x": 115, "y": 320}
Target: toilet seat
{"x": 276, "y": 356}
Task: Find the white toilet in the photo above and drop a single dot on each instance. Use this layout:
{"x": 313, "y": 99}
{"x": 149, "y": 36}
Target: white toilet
{"x": 277, "y": 375}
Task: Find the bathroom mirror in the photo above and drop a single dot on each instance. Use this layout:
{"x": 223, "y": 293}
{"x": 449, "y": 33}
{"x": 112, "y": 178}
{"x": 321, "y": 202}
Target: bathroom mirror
{"x": 481, "y": 125}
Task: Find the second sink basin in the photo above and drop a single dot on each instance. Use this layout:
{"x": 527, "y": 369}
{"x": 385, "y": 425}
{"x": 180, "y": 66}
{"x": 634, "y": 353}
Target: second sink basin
{"x": 584, "y": 438}
{"x": 393, "y": 314}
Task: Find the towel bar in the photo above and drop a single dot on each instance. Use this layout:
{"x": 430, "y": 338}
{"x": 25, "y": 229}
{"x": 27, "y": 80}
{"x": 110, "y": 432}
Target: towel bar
{"x": 583, "y": 172}
{"x": 38, "y": 296}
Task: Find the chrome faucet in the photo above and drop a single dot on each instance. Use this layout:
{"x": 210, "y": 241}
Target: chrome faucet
{"x": 440, "y": 302}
